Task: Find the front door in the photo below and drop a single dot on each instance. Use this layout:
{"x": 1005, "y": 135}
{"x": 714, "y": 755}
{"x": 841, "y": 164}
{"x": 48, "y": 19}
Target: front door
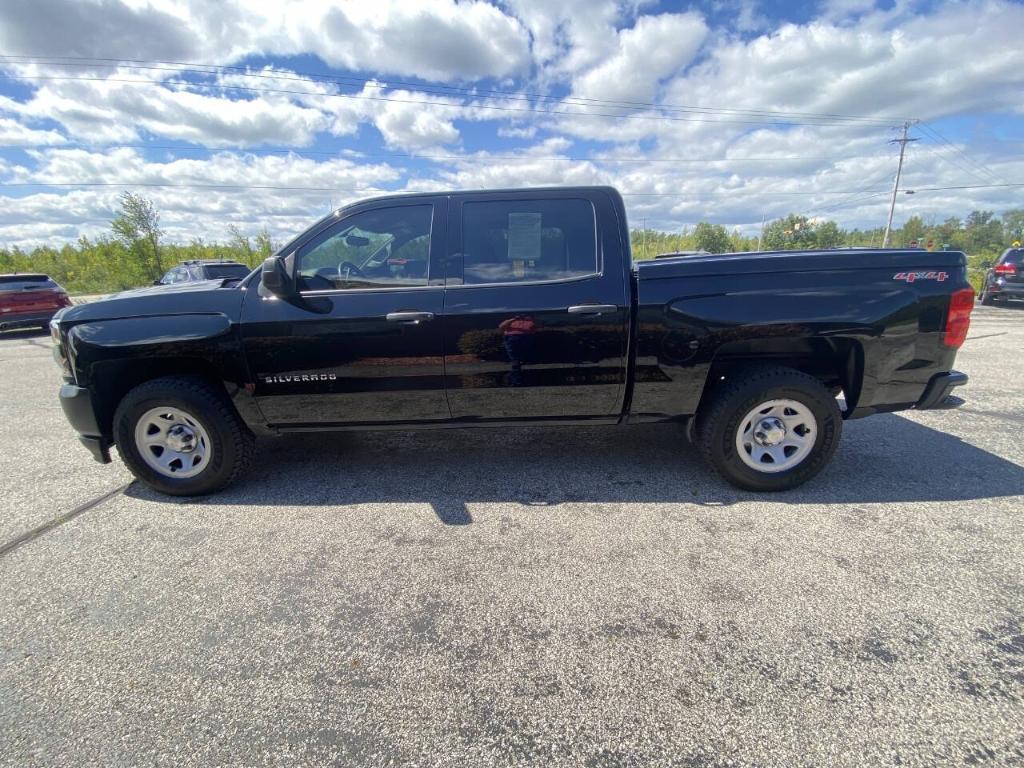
{"x": 361, "y": 344}
{"x": 536, "y": 308}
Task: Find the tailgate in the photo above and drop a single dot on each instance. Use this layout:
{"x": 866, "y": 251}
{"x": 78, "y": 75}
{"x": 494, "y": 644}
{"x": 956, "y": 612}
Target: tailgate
{"x": 26, "y": 301}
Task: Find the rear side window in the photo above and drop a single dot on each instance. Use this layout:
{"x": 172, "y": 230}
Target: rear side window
{"x": 523, "y": 241}
{"x": 1013, "y": 256}
{"x": 25, "y": 283}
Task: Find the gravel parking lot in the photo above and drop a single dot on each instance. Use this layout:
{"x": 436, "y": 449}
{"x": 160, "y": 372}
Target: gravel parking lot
{"x": 559, "y": 597}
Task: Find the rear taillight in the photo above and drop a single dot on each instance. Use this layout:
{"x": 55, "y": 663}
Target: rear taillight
{"x": 63, "y": 300}
{"x": 1005, "y": 269}
{"x": 958, "y": 317}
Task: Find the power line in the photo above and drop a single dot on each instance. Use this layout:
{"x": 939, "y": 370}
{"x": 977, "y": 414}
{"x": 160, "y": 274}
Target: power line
{"x": 960, "y": 166}
{"x": 415, "y": 156}
{"x": 459, "y": 105}
{"x": 715, "y": 193}
{"x": 982, "y": 167}
{"x": 216, "y": 69}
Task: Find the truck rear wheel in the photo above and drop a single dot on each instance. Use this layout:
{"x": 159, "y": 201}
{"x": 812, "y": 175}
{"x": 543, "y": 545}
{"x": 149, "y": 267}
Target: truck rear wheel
{"x": 182, "y": 437}
{"x": 770, "y": 429}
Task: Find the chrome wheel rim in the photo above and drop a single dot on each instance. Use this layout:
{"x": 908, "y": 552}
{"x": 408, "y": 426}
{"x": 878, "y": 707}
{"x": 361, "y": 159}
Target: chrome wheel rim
{"x": 172, "y": 442}
{"x": 776, "y": 435}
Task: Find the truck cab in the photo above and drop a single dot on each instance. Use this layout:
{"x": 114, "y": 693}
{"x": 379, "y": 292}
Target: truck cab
{"x": 511, "y": 307}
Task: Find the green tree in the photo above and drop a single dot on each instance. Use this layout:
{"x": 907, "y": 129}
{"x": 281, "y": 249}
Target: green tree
{"x": 789, "y": 233}
{"x": 240, "y": 243}
{"x": 264, "y": 245}
{"x": 914, "y": 229}
{"x": 1013, "y": 225}
{"x": 827, "y": 235}
{"x": 138, "y": 227}
{"x": 983, "y": 232}
{"x": 712, "y": 238}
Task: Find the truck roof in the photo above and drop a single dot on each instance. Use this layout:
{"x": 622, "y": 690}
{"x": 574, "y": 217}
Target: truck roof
{"x": 462, "y": 192}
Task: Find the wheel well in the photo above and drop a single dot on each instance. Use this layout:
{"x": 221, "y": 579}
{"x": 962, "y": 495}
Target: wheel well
{"x": 112, "y": 380}
{"x": 837, "y": 362}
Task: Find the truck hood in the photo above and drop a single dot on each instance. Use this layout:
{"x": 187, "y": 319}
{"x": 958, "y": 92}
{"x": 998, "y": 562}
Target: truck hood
{"x": 199, "y": 297}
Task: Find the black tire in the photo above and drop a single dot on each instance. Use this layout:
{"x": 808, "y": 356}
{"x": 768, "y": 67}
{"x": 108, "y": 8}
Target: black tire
{"x": 987, "y": 298}
{"x": 719, "y": 421}
{"x": 233, "y": 445}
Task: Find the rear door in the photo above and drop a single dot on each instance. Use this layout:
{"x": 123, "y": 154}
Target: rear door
{"x": 535, "y": 316}
{"x": 361, "y": 345}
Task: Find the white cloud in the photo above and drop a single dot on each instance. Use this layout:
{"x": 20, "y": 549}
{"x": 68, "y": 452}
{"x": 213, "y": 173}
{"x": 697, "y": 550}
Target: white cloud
{"x": 655, "y": 48}
{"x": 428, "y": 38}
{"x": 952, "y": 59}
{"x": 108, "y": 111}
{"x": 570, "y": 35}
{"x": 17, "y": 134}
{"x": 186, "y": 192}
{"x": 517, "y": 132}
{"x": 962, "y": 57}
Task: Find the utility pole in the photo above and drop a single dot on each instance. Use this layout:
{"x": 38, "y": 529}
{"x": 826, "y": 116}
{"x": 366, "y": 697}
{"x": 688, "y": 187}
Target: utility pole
{"x": 643, "y": 223}
{"x": 896, "y": 185}
{"x": 760, "y": 237}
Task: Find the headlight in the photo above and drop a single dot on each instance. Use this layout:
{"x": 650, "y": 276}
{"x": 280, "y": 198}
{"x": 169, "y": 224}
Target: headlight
{"x": 60, "y": 353}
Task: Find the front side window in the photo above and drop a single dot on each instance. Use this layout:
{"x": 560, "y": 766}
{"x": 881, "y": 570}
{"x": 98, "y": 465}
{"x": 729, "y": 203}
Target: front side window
{"x": 519, "y": 241}
{"x": 382, "y": 248}
{"x": 176, "y": 275}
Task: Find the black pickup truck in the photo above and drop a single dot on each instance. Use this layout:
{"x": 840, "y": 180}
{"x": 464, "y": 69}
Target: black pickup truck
{"x": 489, "y": 308}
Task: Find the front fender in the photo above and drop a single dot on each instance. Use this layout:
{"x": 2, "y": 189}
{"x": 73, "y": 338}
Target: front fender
{"x": 209, "y": 337}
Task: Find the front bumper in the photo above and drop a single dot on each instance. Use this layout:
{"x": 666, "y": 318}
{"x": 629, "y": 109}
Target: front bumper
{"x": 939, "y": 387}
{"x": 76, "y": 403}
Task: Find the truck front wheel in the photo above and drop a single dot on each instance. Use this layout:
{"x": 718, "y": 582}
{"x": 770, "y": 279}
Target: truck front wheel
{"x": 181, "y": 436}
{"x": 769, "y": 429}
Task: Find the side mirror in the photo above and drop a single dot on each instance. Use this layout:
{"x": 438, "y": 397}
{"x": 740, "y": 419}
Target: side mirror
{"x": 275, "y": 279}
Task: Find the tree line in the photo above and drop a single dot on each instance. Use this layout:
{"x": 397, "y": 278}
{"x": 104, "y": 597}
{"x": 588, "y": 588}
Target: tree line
{"x": 135, "y": 252}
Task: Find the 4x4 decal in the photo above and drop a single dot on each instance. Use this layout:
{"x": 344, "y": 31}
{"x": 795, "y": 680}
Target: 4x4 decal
{"x": 910, "y": 277}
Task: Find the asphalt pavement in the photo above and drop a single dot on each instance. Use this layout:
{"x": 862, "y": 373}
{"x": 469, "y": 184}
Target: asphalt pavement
{"x": 586, "y": 597}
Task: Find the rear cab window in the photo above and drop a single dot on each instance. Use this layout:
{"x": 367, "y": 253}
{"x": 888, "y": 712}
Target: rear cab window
{"x": 12, "y": 283}
{"x": 528, "y": 241}
{"x": 220, "y": 271}
{"x": 1013, "y": 256}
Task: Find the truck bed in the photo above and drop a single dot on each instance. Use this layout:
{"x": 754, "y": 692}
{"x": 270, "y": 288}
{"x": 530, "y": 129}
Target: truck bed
{"x": 868, "y": 321}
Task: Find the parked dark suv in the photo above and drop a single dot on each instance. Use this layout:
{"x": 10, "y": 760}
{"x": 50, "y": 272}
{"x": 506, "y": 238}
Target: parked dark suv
{"x": 1005, "y": 280}
{"x": 200, "y": 269}
{"x": 29, "y": 300}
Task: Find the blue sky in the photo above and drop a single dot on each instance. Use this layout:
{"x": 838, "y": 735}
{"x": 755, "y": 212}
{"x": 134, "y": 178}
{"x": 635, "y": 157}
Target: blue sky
{"x": 266, "y": 114}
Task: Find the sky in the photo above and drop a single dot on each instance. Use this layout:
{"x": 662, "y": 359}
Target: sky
{"x": 269, "y": 114}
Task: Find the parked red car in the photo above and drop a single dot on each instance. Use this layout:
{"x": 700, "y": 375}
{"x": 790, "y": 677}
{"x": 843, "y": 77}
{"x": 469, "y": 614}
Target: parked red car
{"x": 28, "y": 300}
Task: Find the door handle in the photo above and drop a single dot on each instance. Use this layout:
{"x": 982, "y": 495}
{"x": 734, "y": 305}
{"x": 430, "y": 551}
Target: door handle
{"x": 409, "y": 317}
{"x": 591, "y": 309}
